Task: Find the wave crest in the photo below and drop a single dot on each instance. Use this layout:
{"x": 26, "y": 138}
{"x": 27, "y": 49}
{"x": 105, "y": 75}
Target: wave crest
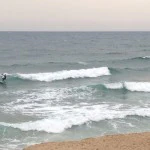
{"x": 66, "y": 74}
{"x": 131, "y": 86}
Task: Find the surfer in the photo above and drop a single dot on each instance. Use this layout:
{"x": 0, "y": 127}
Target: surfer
{"x": 3, "y": 77}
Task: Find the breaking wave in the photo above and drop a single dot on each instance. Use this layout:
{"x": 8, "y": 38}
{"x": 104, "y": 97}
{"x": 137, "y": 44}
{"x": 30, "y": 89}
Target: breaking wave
{"x": 146, "y": 57}
{"x": 77, "y": 117}
{"x": 141, "y": 57}
{"x": 131, "y": 86}
{"x": 65, "y": 74}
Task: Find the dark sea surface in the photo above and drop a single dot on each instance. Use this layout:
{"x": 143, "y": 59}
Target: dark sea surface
{"x": 72, "y": 85}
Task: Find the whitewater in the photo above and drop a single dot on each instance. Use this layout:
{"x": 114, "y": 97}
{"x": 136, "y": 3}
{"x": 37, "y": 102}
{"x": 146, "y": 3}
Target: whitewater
{"x": 65, "y": 74}
{"x": 72, "y": 85}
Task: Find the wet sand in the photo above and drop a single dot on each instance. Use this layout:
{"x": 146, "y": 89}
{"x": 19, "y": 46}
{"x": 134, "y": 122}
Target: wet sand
{"x": 134, "y": 141}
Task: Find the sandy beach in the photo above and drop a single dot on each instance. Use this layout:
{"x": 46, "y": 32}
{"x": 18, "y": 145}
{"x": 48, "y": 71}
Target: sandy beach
{"x": 134, "y": 141}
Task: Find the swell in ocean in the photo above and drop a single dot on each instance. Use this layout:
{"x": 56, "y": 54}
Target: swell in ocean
{"x": 84, "y": 73}
{"x": 127, "y": 85}
{"x": 83, "y": 63}
{"x": 70, "y": 74}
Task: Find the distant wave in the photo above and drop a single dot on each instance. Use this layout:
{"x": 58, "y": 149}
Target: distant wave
{"x": 142, "y": 57}
{"x": 16, "y": 65}
{"x": 65, "y": 74}
{"x": 146, "y": 57}
{"x": 138, "y": 58}
{"x": 82, "y": 63}
{"x": 131, "y": 86}
{"x": 118, "y": 70}
{"x": 50, "y": 62}
{"x": 78, "y": 117}
{"x": 71, "y": 63}
{"x": 114, "y": 53}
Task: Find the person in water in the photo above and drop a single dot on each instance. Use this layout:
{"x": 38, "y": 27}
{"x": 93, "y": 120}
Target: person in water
{"x": 4, "y": 77}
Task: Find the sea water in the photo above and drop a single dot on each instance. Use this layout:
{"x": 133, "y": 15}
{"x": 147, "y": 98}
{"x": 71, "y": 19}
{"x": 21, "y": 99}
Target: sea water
{"x": 72, "y": 85}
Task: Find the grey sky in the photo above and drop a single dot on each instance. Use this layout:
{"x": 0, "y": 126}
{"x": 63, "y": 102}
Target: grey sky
{"x": 74, "y": 15}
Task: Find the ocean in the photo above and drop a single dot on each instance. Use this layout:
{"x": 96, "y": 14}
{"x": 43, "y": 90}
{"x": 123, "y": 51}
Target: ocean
{"x": 72, "y": 85}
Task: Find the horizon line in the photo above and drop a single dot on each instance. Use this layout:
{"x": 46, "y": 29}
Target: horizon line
{"x": 74, "y": 31}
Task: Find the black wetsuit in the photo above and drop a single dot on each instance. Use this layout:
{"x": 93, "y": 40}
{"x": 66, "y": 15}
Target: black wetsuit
{"x": 3, "y": 77}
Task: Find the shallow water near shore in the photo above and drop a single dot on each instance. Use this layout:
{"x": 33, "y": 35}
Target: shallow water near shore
{"x": 72, "y": 85}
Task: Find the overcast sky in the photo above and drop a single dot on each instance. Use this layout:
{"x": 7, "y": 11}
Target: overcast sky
{"x": 74, "y": 15}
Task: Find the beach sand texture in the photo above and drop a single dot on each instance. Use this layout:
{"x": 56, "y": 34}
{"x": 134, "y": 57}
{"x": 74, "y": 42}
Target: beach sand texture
{"x": 134, "y": 141}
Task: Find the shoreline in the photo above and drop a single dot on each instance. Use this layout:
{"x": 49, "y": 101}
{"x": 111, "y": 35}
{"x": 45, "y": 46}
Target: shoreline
{"x": 131, "y": 141}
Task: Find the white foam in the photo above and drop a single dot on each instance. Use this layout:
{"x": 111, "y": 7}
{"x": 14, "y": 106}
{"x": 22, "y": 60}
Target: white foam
{"x": 114, "y": 86}
{"x": 146, "y": 57}
{"x": 131, "y": 86}
{"x": 82, "y": 63}
{"x": 66, "y": 74}
{"x": 39, "y": 102}
{"x": 138, "y": 86}
{"x": 68, "y": 117}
